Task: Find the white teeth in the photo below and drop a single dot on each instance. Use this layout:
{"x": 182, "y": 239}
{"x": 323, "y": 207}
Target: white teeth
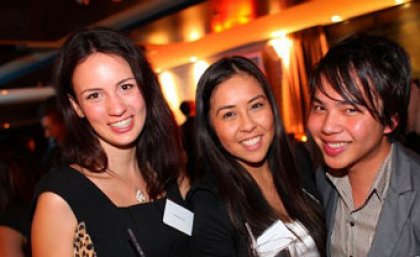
{"x": 122, "y": 123}
{"x": 337, "y": 145}
{"x": 252, "y": 141}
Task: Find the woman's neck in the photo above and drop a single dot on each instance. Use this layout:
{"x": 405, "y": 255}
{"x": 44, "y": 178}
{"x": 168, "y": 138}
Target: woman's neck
{"x": 259, "y": 173}
{"x": 122, "y": 161}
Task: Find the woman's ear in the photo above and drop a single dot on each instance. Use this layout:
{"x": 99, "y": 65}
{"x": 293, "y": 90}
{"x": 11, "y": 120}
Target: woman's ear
{"x": 394, "y": 123}
{"x": 76, "y": 107}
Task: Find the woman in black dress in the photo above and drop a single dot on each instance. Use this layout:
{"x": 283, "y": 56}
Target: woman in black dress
{"x": 122, "y": 155}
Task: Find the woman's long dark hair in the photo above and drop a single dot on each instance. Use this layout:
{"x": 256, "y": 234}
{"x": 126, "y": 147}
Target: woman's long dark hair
{"x": 158, "y": 146}
{"x": 238, "y": 189}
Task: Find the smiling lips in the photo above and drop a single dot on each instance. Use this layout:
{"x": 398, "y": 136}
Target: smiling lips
{"x": 252, "y": 143}
{"x": 333, "y": 149}
{"x": 122, "y": 125}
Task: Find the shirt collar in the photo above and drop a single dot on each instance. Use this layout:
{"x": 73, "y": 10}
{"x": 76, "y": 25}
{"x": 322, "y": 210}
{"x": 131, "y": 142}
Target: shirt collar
{"x": 380, "y": 184}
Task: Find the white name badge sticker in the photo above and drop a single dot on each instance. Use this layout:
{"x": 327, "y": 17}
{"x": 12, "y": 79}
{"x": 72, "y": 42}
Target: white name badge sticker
{"x": 178, "y": 217}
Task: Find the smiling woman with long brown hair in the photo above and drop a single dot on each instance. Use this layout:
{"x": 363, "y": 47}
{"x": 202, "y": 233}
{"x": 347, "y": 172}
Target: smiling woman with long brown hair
{"x": 122, "y": 156}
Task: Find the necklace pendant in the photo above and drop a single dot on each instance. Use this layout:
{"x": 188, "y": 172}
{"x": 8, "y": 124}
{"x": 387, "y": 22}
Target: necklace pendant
{"x": 140, "y": 197}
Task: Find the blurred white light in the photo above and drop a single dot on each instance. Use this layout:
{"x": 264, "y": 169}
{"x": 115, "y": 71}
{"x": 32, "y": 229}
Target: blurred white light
{"x": 199, "y": 68}
{"x": 282, "y": 46}
{"x": 336, "y": 18}
{"x": 169, "y": 88}
{"x": 193, "y": 59}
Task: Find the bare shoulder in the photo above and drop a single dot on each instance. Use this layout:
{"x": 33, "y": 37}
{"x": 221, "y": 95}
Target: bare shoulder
{"x": 11, "y": 242}
{"x": 53, "y": 227}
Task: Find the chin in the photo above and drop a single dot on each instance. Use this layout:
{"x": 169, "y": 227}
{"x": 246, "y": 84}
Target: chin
{"x": 336, "y": 164}
{"x": 254, "y": 163}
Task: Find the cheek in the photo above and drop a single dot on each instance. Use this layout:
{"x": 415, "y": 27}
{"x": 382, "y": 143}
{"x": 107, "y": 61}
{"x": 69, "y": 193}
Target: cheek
{"x": 137, "y": 102}
{"x": 137, "y": 97}
{"x": 94, "y": 112}
{"x": 224, "y": 132}
{"x": 361, "y": 127}
{"x": 313, "y": 123}
{"x": 267, "y": 120}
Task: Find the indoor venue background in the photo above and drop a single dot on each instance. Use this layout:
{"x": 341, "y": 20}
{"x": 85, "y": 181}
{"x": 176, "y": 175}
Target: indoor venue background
{"x": 181, "y": 38}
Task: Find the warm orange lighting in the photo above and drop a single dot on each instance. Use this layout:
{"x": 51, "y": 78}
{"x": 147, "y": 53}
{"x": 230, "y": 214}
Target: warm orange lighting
{"x": 300, "y": 137}
{"x": 6, "y": 125}
{"x": 4, "y": 92}
{"x": 243, "y": 20}
{"x": 158, "y": 38}
{"x": 199, "y": 68}
{"x": 170, "y": 91}
{"x": 282, "y": 46}
{"x": 158, "y": 70}
{"x": 193, "y": 59}
{"x": 193, "y": 28}
{"x": 195, "y": 35}
{"x": 217, "y": 28}
{"x": 279, "y": 33}
{"x": 336, "y": 18}
{"x": 167, "y": 81}
{"x": 228, "y": 14}
{"x": 296, "y": 18}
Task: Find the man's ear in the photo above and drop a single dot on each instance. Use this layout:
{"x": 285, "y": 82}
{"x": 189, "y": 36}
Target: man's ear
{"x": 394, "y": 123}
{"x": 76, "y": 107}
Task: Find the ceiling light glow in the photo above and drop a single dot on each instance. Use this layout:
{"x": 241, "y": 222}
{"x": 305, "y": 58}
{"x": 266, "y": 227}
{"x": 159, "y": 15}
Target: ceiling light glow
{"x": 336, "y": 18}
{"x": 193, "y": 59}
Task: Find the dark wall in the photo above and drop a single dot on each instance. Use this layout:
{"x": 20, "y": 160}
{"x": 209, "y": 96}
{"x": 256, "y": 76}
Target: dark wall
{"x": 401, "y": 24}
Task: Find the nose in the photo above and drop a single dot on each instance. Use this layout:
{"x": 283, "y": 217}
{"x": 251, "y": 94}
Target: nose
{"x": 331, "y": 124}
{"x": 247, "y": 122}
{"x": 116, "y": 106}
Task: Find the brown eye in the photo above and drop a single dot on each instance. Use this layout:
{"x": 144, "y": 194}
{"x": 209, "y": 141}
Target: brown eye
{"x": 93, "y": 96}
{"x": 126, "y": 86}
{"x": 228, "y": 115}
{"x": 351, "y": 110}
{"x": 257, "y": 105}
{"x": 317, "y": 108}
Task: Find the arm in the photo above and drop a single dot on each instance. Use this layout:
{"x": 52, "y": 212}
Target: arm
{"x": 213, "y": 233}
{"x": 53, "y": 227}
{"x": 11, "y": 242}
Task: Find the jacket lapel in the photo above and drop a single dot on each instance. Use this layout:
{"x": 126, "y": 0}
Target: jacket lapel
{"x": 397, "y": 206}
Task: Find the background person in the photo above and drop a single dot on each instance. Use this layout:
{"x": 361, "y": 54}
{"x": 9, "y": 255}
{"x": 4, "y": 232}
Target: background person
{"x": 52, "y": 122}
{"x": 188, "y": 134}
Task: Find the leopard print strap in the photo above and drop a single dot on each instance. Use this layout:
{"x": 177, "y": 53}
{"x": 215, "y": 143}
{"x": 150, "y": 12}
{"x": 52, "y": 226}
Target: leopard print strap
{"x": 83, "y": 245}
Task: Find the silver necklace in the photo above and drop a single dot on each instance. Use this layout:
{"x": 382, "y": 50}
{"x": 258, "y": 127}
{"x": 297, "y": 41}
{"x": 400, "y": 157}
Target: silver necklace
{"x": 140, "y": 196}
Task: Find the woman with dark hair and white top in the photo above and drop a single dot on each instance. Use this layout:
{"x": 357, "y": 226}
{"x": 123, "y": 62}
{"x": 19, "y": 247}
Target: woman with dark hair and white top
{"x": 249, "y": 200}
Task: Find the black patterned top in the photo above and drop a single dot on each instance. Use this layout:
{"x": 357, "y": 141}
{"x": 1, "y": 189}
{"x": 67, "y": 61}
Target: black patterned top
{"x": 103, "y": 227}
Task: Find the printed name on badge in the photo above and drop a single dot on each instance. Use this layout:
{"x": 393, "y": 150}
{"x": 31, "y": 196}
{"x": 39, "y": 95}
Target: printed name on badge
{"x": 178, "y": 217}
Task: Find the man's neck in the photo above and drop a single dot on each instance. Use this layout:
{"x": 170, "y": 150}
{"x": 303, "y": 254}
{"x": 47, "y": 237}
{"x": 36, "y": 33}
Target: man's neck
{"x": 362, "y": 175}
